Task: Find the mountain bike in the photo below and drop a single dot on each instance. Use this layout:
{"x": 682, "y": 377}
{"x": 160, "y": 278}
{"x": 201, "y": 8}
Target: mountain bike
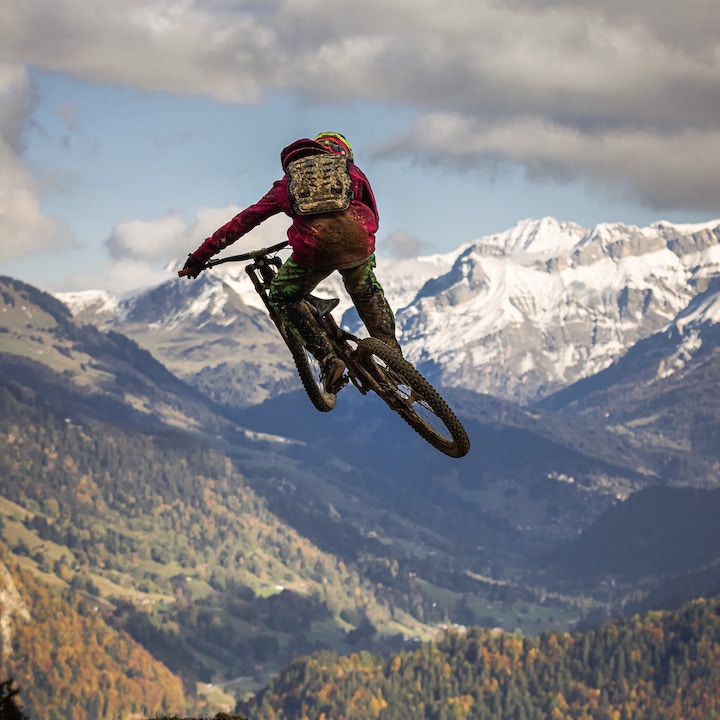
{"x": 371, "y": 366}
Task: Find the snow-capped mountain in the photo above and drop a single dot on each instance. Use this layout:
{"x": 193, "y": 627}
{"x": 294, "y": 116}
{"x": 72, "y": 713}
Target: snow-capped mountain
{"x": 519, "y": 314}
{"x": 524, "y": 313}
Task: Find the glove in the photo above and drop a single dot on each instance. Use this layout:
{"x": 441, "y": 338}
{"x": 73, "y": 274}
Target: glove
{"x": 193, "y": 267}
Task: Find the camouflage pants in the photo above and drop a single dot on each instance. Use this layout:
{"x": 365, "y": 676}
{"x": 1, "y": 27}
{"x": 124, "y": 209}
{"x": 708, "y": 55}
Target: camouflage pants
{"x": 294, "y": 281}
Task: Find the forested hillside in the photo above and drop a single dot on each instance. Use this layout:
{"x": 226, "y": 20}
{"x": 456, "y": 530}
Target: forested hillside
{"x": 68, "y": 663}
{"x": 229, "y": 544}
{"x": 163, "y": 532}
{"x": 663, "y": 666}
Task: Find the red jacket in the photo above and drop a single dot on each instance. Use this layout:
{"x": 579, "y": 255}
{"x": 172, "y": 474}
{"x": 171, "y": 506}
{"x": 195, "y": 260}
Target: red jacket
{"x": 339, "y": 239}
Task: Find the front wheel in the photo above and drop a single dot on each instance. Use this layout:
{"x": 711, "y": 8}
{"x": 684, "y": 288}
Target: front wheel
{"x": 308, "y": 369}
{"x": 409, "y": 394}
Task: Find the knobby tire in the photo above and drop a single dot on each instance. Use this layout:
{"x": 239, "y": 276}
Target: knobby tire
{"x": 308, "y": 369}
{"x": 409, "y": 394}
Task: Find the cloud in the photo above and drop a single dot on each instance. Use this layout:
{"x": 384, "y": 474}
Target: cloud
{"x": 173, "y": 236}
{"x": 23, "y": 227}
{"x": 147, "y": 252}
{"x": 179, "y": 46}
{"x": 610, "y": 61}
{"x": 627, "y": 162}
{"x": 623, "y": 96}
{"x": 400, "y": 245}
{"x": 148, "y": 240}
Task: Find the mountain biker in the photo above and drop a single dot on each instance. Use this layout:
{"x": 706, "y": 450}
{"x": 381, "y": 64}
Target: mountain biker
{"x": 334, "y": 221}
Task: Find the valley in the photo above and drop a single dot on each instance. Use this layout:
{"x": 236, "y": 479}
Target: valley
{"x": 158, "y": 467}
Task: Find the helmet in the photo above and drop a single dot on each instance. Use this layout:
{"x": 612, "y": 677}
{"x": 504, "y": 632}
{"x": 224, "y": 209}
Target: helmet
{"x": 335, "y": 143}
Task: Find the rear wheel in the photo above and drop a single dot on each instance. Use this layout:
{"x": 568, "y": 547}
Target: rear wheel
{"x": 409, "y": 394}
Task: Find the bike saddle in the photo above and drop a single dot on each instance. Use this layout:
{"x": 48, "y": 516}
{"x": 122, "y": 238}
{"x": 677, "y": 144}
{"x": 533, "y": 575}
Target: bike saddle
{"x": 323, "y": 306}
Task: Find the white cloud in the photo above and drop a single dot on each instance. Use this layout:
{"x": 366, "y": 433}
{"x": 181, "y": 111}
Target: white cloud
{"x": 620, "y": 95}
{"x": 626, "y": 162}
{"x": 613, "y": 61}
{"x": 173, "y": 236}
{"x": 178, "y": 46}
{"x": 400, "y": 245}
{"x": 148, "y": 240}
{"x": 23, "y": 227}
{"x": 147, "y": 252}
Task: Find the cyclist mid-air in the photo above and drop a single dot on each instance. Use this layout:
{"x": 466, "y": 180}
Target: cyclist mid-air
{"x": 334, "y": 221}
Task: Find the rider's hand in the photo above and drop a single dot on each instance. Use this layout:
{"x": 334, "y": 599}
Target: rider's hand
{"x": 193, "y": 267}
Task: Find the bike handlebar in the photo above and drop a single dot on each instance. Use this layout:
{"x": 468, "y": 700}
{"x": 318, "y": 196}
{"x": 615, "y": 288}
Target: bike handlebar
{"x": 239, "y": 258}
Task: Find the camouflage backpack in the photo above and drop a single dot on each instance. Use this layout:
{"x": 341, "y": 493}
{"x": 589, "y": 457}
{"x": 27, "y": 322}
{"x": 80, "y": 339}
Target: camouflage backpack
{"x": 319, "y": 183}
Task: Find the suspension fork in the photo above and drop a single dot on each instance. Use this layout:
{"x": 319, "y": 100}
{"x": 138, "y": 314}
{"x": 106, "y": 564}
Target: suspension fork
{"x": 261, "y": 273}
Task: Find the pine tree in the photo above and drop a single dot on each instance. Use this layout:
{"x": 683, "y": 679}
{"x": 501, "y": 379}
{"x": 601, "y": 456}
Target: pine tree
{"x": 9, "y": 709}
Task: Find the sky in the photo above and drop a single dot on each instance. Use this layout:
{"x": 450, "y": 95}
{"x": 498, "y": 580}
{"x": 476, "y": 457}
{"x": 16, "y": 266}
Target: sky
{"x": 131, "y": 129}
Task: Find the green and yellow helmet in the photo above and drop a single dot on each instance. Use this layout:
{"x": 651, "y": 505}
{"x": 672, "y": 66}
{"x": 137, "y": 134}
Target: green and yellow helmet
{"x": 335, "y": 143}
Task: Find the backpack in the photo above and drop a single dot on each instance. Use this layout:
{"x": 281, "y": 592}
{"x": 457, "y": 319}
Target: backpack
{"x": 319, "y": 183}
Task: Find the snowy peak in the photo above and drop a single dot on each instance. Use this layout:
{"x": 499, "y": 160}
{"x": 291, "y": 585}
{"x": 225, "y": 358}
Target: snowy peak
{"x": 96, "y": 306}
{"x": 209, "y": 299}
{"x": 529, "y": 311}
{"x": 703, "y": 310}
{"x": 546, "y": 238}
{"x": 206, "y": 300}
{"x": 551, "y": 239}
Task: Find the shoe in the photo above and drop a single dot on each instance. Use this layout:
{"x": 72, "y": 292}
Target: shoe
{"x": 331, "y": 372}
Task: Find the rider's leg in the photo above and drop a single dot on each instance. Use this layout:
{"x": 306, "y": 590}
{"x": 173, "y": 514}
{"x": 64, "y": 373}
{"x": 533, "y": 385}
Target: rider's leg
{"x": 287, "y": 289}
{"x": 369, "y": 299}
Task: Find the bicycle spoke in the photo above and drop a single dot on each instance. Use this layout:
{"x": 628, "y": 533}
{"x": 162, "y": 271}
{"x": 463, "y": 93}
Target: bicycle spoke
{"x": 407, "y": 392}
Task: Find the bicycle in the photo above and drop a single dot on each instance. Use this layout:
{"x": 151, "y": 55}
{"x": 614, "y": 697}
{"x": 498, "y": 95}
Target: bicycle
{"x": 371, "y": 365}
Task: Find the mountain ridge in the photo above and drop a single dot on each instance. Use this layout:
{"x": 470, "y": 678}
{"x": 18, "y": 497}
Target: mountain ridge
{"x": 519, "y": 314}
{"x": 525, "y": 324}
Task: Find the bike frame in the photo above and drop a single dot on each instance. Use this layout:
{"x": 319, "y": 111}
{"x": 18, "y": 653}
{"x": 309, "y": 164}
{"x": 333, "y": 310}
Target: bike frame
{"x": 262, "y": 270}
{"x": 370, "y": 364}
{"x": 344, "y": 343}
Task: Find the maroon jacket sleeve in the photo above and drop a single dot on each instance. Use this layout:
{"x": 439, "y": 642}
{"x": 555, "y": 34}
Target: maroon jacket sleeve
{"x": 276, "y": 200}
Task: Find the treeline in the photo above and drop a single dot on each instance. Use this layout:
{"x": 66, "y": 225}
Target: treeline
{"x": 9, "y": 708}
{"x": 663, "y": 666}
{"x": 68, "y": 664}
